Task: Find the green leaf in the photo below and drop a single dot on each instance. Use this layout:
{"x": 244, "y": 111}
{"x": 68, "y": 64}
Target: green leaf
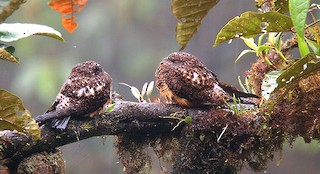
{"x": 298, "y": 12}
{"x": 302, "y": 45}
{"x": 188, "y": 120}
{"x": 8, "y": 48}
{"x": 314, "y": 46}
{"x": 315, "y": 34}
{"x": 248, "y": 87}
{"x": 190, "y": 14}
{"x": 86, "y": 126}
{"x": 264, "y": 47}
{"x": 277, "y": 41}
{"x": 250, "y": 24}
{"x": 300, "y": 69}
{"x": 242, "y": 86}
{"x": 15, "y": 31}
{"x": 110, "y": 108}
{"x": 290, "y": 77}
{"x": 261, "y": 37}
{"x": 6, "y": 53}
{"x": 282, "y": 56}
{"x": 201, "y": 137}
{"x": 243, "y": 53}
{"x": 14, "y": 116}
{"x": 250, "y": 43}
{"x": 184, "y": 32}
{"x": 271, "y": 38}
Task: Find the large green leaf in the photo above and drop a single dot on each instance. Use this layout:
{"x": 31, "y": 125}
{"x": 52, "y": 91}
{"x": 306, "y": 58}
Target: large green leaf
{"x": 14, "y": 116}
{"x": 298, "y": 12}
{"x": 303, "y": 68}
{"x": 190, "y": 14}
{"x": 15, "y": 31}
{"x": 250, "y": 24}
{"x": 290, "y": 77}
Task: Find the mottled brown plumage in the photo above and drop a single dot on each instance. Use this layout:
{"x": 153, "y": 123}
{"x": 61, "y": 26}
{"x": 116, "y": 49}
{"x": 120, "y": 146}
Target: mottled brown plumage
{"x": 183, "y": 79}
{"x": 84, "y": 93}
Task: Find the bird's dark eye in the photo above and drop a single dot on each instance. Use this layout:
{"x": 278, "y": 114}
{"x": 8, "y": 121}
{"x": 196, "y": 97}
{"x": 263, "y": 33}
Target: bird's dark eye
{"x": 95, "y": 69}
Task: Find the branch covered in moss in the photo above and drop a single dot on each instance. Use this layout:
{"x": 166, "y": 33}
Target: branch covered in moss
{"x": 217, "y": 139}
{"x": 127, "y": 118}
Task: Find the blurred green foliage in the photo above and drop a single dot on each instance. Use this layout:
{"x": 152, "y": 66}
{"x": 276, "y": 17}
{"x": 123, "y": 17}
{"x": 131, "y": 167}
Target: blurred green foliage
{"x": 129, "y": 39}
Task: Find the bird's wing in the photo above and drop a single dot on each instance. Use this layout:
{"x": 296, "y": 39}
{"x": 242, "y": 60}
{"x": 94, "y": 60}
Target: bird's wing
{"x": 51, "y": 115}
{"x": 53, "y": 106}
{"x": 197, "y": 77}
{"x": 188, "y": 81}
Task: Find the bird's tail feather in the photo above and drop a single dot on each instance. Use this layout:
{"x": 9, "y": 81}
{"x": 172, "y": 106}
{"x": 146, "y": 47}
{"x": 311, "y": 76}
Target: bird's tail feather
{"x": 41, "y": 119}
{"x": 232, "y": 90}
{"x": 60, "y": 123}
{"x": 56, "y": 119}
{"x": 246, "y": 100}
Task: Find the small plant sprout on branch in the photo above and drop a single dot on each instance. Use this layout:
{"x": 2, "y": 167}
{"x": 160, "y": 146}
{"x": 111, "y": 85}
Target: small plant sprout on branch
{"x": 274, "y": 42}
{"x": 147, "y": 88}
{"x": 186, "y": 119}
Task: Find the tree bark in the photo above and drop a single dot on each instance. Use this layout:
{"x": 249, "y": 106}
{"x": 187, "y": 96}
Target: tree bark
{"x": 127, "y": 118}
{"x": 218, "y": 139}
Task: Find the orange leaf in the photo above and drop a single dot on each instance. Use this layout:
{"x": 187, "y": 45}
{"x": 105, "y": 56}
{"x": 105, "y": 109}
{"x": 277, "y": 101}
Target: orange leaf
{"x": 69, "y": 23}
{"x": 68, "y": 8}
{"x": 62, "y": 8}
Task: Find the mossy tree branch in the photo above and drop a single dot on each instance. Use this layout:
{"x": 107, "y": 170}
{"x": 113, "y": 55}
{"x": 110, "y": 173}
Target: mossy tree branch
{"x": 127, "y": 118}
{"x": 217, "y": 140}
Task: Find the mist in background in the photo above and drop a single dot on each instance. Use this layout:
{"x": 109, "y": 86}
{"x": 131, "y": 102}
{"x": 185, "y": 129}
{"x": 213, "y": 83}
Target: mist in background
{"x": 129, "y": 39}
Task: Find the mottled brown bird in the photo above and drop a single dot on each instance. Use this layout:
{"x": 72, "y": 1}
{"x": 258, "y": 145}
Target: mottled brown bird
{"x": 84, "y": 93}
{"x": 183, "y": 79}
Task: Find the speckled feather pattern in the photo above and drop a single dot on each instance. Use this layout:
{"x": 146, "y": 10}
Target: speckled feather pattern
{"x": 183, "y": 79}
{"x": 86, "y": 89}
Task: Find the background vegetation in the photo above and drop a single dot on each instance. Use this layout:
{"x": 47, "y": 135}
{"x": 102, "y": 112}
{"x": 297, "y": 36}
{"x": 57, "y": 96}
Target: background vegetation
{"x": 129, "y": 39}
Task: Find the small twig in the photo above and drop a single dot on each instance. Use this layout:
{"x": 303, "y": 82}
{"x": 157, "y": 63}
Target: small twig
{"x": 313, "y": 23}
{"x": 223, "y": 131}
